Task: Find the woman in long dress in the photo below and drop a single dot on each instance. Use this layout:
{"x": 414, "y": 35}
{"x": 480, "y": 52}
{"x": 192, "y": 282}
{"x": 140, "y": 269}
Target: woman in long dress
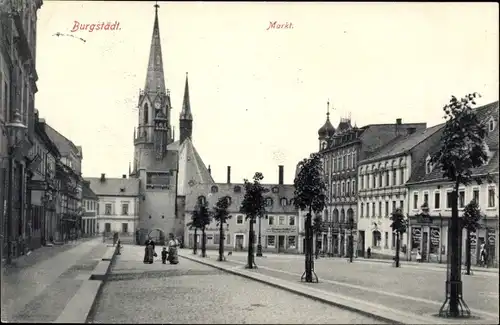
{"x": 149, "y": 251}
{"x": 173, "y": 244}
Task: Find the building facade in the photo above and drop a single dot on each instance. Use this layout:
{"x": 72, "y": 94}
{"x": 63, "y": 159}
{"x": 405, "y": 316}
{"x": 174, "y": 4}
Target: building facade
{"x": 119, "y": 202}
{"x": 430, "y": 202}
{"x": 341, "y": 149}
{"x": 382, "y": 188}
{"x": 279, "y": 228}
{"x": 17, "y": 90}
{"x": 42, "y": 187}
{"x": 90, "y": 201}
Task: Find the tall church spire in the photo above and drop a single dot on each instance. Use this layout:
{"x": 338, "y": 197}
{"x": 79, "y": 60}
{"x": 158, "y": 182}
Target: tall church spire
{"x": 155, "y": 79}
{"x": 186, "y": 118}
{"x": 186, "y": 105}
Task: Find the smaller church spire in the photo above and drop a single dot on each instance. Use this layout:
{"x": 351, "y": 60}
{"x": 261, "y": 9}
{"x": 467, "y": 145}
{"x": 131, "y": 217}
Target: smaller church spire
{"x": 328, "y": 109}
{"x": 186, "y": 105}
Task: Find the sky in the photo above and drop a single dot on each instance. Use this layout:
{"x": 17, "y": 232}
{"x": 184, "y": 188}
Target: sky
{"x": 258, "y": 95}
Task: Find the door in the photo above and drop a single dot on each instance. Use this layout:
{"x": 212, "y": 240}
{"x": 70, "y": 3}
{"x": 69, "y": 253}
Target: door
{"x": 361, "y": 250}
{"x": 107, "y": 227}
{"x": 239, "y": 242}
{"x": 124, "y": 228}
{"x": 424, "y": 245}
{"x": 281, "y": 243}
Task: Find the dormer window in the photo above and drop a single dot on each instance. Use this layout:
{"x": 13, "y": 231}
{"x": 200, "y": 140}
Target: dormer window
{"x": 428, "y": 165}
{"x": 491, "y": 124}
{"x": 237, "y": 189}
{"x": 284, "y": 201}
{"x": 269, "y": 201}
{"x": 214, "y": 189}
{"x": 122, "y": 189}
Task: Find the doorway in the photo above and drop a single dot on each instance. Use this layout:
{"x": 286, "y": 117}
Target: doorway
{"x": 238, "y": 244}
{"x": 281, "y": 243}
{"x": 361, "y": 249}
{"x": 424, "y": 245}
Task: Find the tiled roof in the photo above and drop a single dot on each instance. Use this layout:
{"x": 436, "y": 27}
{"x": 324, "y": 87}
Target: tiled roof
{"x": 63, "y": 144}
{"x": 484, "y": 114}
{"x": 224, "y": 189}
{"x": 113, "y": 186}
{"x": 87, "y": 192}
{"x": 192, "y": 169}
{"x": 402, "y": 144}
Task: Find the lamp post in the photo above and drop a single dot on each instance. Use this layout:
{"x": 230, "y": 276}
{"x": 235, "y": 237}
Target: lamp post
{"x": 15, "y": 130}
{"x": 259, "y": 244}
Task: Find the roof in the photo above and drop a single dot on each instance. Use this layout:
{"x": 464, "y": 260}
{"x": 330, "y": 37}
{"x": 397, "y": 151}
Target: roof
{"x": 174, "y": 146}
{"x": 113, "y": 186}
{"x": 186, "y": 105}
{"x": 484, "y": 113}
{"x": 402, "y": 144}
{"x": 327, "y": 129}
{"x": 87, "y": 192}
{"x": 155, "y": 80}
{"x": 192, "y": 169}
{"x": 63, "y": 144}
{"x": 224, "y": 189}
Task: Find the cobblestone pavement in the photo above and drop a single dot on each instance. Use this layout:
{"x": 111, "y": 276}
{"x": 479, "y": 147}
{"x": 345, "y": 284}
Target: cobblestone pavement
{"x": 191, "y": 293}
{"x": 39, "y": 293}
{"x": 420, "y": 291}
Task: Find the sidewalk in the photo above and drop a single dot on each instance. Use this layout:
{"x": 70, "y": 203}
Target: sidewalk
{"x": 393, "y": 308}
{"x": 38, "y": 286}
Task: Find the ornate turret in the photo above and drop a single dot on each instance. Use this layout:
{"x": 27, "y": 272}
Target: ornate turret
{"x": 327, "y": 130}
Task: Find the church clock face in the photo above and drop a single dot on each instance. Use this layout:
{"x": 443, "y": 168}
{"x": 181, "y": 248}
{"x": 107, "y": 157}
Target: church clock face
{"x": 157, "y": 105}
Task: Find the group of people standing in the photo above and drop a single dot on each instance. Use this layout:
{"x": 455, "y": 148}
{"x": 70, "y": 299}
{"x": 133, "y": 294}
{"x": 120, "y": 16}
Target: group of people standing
{"x": 168, "y": 253}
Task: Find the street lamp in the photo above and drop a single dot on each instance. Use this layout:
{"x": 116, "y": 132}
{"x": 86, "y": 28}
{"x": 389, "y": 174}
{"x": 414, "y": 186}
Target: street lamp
{"x": 15, "y": 132}
{"x": 259, "y": 244}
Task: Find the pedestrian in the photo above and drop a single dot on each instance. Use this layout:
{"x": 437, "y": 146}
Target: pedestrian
{"x": 164, "y": 254}
{"x": 419, "y": 256}
{"x": 483, "y": 256}
{"x": 149, "y": 251}
{"x": 369, "y": 252}
{"x": 173, "y": 245}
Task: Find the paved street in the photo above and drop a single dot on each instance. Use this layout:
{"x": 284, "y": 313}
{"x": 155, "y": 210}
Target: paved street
{"x": 192, "y": 293}
{"x": 39, "y": 288}
{"x": 410, "y": 288}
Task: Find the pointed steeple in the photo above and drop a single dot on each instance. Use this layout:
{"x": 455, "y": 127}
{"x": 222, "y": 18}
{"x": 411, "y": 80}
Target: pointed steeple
{"x": 186, "y": 105}
{"x": 155, "y": 79}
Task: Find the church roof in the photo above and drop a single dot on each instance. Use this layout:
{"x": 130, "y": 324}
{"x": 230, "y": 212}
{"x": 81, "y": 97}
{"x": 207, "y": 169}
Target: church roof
{"x": 192, "y": 169}
{"x": 155, "y": 80}
{"x": 186, "y": 105}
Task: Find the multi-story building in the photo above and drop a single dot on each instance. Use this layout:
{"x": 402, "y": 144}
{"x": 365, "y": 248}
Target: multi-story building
{"x": 42, "y": 187}
{"x": 69, "y": 176}
{"x": 18, "y": 78}
{"x": 118, "y": 205}
{"x": 429, "y": 225}
{"x": 89, "y": 202}
{"x": 341, "y": 150}
{"x": 381, "y": 188}
{"x": 278, "y": 228}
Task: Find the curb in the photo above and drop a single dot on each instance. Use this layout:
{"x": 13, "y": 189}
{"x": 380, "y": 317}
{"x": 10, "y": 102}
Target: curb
{"x": 425, "y": 264}
{"x": 82, "y": 305}
{"x": 357, "y": 308}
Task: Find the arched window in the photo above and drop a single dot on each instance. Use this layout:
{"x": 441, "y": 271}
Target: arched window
{"x": 333, "y": 189}
{"x": 335, "y": 216}
{"x": 348, "y": 187}
{"x": 342, "y": 216}
{"x": 201, "y": 199}
{"x": 145, "y": 114}
{"x": 292, "y": 201}
{"x": 354, "y": 189}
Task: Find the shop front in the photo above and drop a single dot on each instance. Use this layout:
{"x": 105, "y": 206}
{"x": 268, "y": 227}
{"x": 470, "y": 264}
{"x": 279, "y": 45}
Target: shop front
{"x": 429, "y": 235}
{"x": 485, "y": 236}
{"x": 281, "y": 240}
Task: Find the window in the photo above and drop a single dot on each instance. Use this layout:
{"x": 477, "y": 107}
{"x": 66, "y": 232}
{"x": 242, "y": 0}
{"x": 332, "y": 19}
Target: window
{"x": 362, "y": 181}
{"x": 402, "y": 176}
{"x": 124, "y": 228}
{"x": 437, "y": 200}
{"x": 491, "y": 125}
{"x": 362, "y": 207}
{"x": 491, "y": 197}
{"x": 284, "y": 201}
{"x": 202, "y": 200}
{"x": 107, "y": 209}
{"x": 214, "y": 189}
{"x": 269, "y": 201}
{"x": 281, "y": 220}
{"x": 387, "y": 178}
{"x": 271, "y": 241}
{"x": 373, "y": 209}
{"x": 145, "y": 114}
{"x": 157, "y": 180}
{"x": 386, "y": 208}
{"x": 124, "y": 209}
{"x": 343, "y": 188}
{"x": 393, "y": 242}
{"x": 415, "y": 201}
{"x": 291, "y": 220}
{"x": 448, "y": 200}
{"x": 386, "y": 241}
{"x": 402, "y": 206}
{"x": 475, "y": 195}
{"x": 461, "y": 198}
{"x": 348, "y": 187}
{"x": 228, "y": 239}
{"x": 368, "y": 210}
{"x": 216, "y": 239}
{"x": 380, "y": 209}
{"x": 394, "y": 175}
{"x": 291, "y": 242}
{"x": 239, "y": 219}
{"x": 380, "y": 177}
{"x": 333, "y": 189}
{"x": 393, "y": 206}
{"x": 237, "y": 189}
{"x": 270, "y": 220}
{"x": 374, "y": 181}
{"x": 354, "y": 186}
{"x": 426, "y": 199}
{"x": 107, "y": 227}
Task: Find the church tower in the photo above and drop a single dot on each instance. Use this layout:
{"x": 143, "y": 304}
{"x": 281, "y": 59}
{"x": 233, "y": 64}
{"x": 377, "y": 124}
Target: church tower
{"x": 154, "y": 165}
{"x": 186, "y": 117}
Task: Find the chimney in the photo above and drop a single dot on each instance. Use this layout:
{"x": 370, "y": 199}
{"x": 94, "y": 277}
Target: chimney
{"x": 411, "y": 130}
{"x": 209, "y": 170}
{"x": 103, "y": 178}
{"x": 398, "y": 123}
{"x": 124, "y": 176}
{"x": 280, "y": 175}
{"x": 229, "y": 174}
